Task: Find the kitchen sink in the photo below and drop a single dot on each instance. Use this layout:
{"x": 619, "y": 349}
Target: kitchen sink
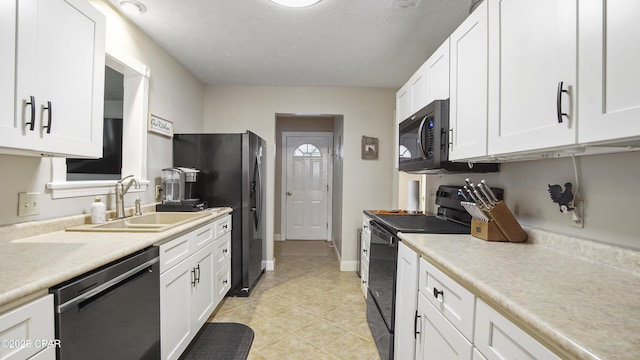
{"x": 152, "y": 222}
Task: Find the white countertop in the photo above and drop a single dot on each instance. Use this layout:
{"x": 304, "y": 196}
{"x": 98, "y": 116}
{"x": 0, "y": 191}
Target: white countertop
{"x": 577, "y": 307}
{"x": 35, "y": 263}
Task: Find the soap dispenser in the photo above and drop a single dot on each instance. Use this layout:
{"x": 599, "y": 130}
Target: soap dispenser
{"x": 97, "y": 211}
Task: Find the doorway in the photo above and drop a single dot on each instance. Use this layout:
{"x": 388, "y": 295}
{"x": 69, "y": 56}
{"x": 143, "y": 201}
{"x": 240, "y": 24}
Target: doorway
{"x": 316, "y": 143}
{"x": 306, "y": 200}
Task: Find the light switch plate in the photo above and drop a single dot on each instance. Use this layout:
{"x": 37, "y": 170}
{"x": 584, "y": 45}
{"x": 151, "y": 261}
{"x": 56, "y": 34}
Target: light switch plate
{"x": 28, "y": 204}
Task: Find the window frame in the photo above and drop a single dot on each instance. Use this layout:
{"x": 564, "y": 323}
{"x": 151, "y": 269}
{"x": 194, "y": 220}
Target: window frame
{"x": 134, "y": 139}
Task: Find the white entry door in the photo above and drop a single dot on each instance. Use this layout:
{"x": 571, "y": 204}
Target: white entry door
{"x": 307, "y": 187}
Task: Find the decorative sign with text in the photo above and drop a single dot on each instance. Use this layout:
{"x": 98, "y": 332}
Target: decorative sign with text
{"x": 160, "y": 126}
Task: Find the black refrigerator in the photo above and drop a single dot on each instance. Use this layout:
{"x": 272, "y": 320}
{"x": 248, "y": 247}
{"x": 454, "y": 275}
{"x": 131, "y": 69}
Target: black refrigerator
{"x": 232, "y": 173}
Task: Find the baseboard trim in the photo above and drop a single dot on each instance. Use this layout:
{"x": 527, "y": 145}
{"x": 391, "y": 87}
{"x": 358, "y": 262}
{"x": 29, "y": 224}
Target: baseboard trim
{"x": 350, "y": 265}
{"x": 269, "y": 265}
{"x": 277, "y": 237}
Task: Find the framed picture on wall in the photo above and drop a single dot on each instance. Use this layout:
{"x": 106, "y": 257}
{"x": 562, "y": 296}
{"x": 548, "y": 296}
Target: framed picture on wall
{"x": 369, "y": 148}
{"x": 160, "y": 126}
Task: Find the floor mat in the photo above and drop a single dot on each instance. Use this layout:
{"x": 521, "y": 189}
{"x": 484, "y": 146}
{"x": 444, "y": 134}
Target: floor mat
{"x": 221, "y": 341}
{"x": 304, "y": 248}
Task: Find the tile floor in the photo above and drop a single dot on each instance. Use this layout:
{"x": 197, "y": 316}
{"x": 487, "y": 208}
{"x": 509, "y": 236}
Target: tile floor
{"x": 305, "y": 309}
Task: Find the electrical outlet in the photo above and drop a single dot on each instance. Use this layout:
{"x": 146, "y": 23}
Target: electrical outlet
{"x": 577, "y": 215}
{"x": 28, "y": 204}
{"x": 158, "y": 191}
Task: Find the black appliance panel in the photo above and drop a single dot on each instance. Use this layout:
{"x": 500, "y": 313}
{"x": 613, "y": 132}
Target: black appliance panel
{"x": 383, "y": 257}
{"x": 421, "y": 224}
{"x": 425, "y": 136}
{"x": 231, "y": 174}
{"x": 379, "y": 330}
{"x": 112, "y": 312}
{"x": 424, "y": 143}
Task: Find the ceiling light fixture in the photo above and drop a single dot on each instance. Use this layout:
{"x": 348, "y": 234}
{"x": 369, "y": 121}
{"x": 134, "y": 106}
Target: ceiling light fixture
{"x": 132, "y": 7}
{"x": 296, "y": 3}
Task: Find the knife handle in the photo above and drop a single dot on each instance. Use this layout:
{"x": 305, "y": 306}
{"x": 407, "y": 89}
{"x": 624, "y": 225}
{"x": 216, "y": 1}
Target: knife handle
{"x": 491, "y": 193}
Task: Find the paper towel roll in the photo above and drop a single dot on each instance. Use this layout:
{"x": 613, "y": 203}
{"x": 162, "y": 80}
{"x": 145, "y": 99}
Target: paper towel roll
{"x": 413, "y": 194}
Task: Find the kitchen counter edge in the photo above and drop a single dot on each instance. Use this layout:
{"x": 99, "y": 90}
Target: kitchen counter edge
{"x": 26, "y": 253}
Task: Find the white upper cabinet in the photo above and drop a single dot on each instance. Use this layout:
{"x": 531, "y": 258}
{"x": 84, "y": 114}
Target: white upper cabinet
{"x": 418, "y": 88}
{"x": 59, "y": 79}
{"x": 403, "y": 103}
{"x": 8, "y": 129}
{"x": 430, "y": 82}
{"x": 437, "y": 75}
{"x": 609, "y": 76}
{"x": 468, "y": 85}
{"x": 532, "y": 50}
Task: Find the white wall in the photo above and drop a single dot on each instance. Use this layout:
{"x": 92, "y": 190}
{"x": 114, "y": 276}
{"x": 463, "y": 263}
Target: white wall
{"x": 608, "y": 185}
{"x": 174, "y": 94}
{"x": 367, "y": 183}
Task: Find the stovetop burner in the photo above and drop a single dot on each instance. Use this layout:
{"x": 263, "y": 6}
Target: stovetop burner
{"x": 420, "y": 224}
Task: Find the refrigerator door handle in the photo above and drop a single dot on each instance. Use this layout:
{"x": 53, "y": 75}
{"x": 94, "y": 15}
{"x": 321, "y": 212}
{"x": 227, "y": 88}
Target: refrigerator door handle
{"x": 259, "y": 190}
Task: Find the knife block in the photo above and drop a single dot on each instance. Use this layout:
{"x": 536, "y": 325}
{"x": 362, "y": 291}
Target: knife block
{"x": 502, "y": 225}
{"x": 486, "y": 231}
{"x": 507, "y": 223}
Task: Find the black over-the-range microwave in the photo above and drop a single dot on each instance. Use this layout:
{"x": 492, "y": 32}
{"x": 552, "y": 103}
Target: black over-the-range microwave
{"x": 424, "y": 143}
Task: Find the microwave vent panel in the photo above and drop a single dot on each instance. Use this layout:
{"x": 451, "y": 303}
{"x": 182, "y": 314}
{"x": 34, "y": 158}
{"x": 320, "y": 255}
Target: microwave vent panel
{"x": 405, "y": 4}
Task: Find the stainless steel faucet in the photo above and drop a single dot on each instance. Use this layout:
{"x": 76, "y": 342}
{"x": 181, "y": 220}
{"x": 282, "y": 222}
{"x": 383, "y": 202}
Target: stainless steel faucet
{"x": 122, "y": 189}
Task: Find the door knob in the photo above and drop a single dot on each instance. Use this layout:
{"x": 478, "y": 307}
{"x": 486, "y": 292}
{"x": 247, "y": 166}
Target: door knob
{"x": 289, "y": 193}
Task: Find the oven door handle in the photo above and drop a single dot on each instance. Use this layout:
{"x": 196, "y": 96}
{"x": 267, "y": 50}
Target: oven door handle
{"x": 382, "y": 233}
{"x": 109, "y": 284}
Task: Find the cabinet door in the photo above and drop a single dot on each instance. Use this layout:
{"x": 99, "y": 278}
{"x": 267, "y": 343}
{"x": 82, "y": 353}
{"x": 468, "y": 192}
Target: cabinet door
{"x": 9, "y": 128}
{"x": 419, "y": 89}
{"x": 223, "y": 281}
{"x": 176, "y": 288}
{"x": 403, "y": 103}
{"x": 364, "y": 279}
{"x": 223, "y": 250}
{"x": 609, "y": 76}
{"x": 204, "y": 294}
{"x": 31, "y": 322}
{"x": 406, "y": 302}
{"x": 60, "y": 62}
{"x": 455, "y": 302}
{"x": 437, "y": 75}
{"x": 499, "y": 339}
{"x": 437, "y": 338}
{"x": 469, "y": 77}
{"x": 365, "y": 242}
{"x": 532, "y": 49}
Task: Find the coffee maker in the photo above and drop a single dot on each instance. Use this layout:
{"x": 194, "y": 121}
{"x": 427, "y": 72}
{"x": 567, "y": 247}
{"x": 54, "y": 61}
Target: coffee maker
{"x": 177, "y": 185}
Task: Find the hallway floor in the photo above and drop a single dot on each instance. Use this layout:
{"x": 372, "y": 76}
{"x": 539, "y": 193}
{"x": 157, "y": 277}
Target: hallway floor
{"x": 305, "y": 309}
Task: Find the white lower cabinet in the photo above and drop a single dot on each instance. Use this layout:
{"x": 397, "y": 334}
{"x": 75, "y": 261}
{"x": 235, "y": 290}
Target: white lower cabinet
{"x": 455, "y": 302}
{"x": 195, "y": 276}
{"x": 24, "y": 329}
{"x": 203, "y": 291}
{"x": 437, "y": 338}
{"x": 477, "y": 355}
{"x": 365, "y": 243}
{"x": 499, "y": 339}
{"x": 406, "y": 302}
{"x": 176, "y": 330}
{"x": 451, "y": 323}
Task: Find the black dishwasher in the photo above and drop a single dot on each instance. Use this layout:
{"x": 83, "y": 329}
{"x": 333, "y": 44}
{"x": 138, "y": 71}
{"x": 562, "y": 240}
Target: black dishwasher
{"x": 112, "y": 312}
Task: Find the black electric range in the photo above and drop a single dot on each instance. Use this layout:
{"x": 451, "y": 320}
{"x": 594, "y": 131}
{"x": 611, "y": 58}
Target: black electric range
{"x": 451, "y": 218}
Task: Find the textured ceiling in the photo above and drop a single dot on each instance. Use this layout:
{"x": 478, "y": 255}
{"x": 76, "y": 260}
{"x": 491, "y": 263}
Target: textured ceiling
{"x": 362, "y": 43}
